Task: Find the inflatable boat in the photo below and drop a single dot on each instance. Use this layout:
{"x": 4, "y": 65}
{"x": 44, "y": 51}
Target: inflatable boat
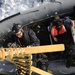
{"x": 38, "y": 18}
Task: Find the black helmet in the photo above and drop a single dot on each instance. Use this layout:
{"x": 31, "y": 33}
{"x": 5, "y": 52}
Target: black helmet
{"x": 16, "y": 28}
{"x": 59, "y": 24}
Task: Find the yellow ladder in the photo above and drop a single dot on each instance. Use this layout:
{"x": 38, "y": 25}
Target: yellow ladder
{"x": 23, "y": 59}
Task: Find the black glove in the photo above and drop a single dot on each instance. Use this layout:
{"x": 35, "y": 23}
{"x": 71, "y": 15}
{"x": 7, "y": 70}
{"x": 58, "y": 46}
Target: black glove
{"x": 12, "y": 45}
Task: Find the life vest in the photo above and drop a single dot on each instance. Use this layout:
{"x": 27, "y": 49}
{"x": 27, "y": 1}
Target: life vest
{"x": 54, "y": 31}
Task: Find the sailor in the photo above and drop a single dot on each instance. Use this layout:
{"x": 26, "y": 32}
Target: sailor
{"x": 56, "y": 17}
{"x": 57, "y": 30}
{"x": 60, "y": 35}
{"x": 23, "y": 37}
{"x": 70, "y": 27}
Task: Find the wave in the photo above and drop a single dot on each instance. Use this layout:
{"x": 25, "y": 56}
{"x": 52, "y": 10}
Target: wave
{"x": 11, "y": 7}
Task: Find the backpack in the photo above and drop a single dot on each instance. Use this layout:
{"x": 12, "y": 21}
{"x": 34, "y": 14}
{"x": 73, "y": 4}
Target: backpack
{"x": 67, "y": 22}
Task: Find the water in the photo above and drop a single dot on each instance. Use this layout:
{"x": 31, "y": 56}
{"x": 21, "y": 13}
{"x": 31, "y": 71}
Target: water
{"x": 10, "y": 7}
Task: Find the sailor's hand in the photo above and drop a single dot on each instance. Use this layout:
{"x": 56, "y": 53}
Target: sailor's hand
{"x": 12, "y": 45}
{"x": 55, "y": 39}
{"x": 29, "y": 46}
